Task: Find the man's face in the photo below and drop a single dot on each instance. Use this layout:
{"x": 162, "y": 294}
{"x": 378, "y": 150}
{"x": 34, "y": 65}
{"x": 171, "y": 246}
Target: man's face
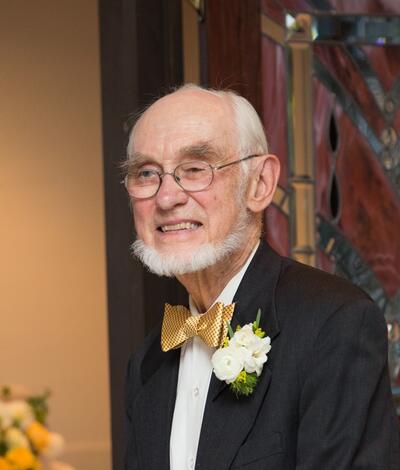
{"x": 187, "y": 126}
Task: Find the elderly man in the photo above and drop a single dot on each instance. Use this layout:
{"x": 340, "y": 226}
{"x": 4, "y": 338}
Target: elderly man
{"x": 304, "y": 383}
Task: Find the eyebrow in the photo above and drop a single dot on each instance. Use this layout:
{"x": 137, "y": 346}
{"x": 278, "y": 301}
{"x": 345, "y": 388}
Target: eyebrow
{"x": 135, "y": 160}
{"x": 201, "y": 150}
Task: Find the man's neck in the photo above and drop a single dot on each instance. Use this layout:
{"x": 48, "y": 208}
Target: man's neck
{"x": 205, "y": 286}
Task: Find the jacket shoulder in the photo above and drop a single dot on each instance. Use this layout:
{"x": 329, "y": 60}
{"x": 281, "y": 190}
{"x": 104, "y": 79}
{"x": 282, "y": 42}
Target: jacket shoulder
{"x": 307, "y": 299}
{"x": 313, "y": 287}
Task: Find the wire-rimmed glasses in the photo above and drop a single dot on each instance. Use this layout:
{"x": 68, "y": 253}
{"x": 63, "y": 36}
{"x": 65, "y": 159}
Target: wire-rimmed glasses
{"x": 193, "y": 176}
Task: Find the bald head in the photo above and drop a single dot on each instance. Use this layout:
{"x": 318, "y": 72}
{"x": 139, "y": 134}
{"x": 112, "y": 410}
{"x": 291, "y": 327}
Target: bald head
{"x": 243, "y": 126}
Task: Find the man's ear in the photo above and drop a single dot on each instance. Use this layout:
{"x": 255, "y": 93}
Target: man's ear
{"x": 263, "y": 182}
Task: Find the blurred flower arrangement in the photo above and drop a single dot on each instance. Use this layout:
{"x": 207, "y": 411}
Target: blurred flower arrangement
{"x": 25, "y": 441}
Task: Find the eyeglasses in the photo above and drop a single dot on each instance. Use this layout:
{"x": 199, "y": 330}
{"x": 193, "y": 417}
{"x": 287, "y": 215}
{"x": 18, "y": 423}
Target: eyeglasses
{"x": 195, "y": 176}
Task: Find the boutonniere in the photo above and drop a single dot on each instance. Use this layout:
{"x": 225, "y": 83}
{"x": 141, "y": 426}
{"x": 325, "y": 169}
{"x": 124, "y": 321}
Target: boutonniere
{"x": 240, "y": 360}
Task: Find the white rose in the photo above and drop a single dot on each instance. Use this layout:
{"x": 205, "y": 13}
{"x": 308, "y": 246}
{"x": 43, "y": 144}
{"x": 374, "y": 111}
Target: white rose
{"x": 258, "y": 355}
{"x": 55, "y": 445}
{"x": 14, "y": 437}
{"x": 245, "y": 338}
{"x": 20, "y": 413}
{"x": 227, "y": 363}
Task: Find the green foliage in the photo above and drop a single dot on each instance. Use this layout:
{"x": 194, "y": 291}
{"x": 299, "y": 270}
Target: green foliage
{"x": 5, "y": 392}
{"x": 244, "y": 384}
{"x": 256, "y": 324}
{"x": 39, "y": 406}
{"x": 230, "y": 331}
{"x": 3, "y": 447}
{"x": 260, "y": 333}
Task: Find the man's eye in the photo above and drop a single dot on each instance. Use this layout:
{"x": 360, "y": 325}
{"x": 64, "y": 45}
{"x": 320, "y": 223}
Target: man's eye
{"x": 146, "y": 173}
{"x": 194, "y": 169}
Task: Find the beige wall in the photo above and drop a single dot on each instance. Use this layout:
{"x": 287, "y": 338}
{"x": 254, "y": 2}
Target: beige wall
{"x": 52, "y": 268}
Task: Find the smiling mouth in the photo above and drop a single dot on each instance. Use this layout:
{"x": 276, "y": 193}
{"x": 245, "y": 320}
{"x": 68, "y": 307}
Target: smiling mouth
{"x": 180, "y": 226}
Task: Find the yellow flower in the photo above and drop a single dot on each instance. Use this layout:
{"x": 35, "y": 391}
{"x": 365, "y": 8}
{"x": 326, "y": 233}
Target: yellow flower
{"x": 38, "y": 435}
{"x": 225, "y": 344}
{"x": 37, "y": 465}
{"x": 22, "y": 459}
{"x": 260, "y": 333}
{"x": 242, "y": 377}
{"x": 4, "y": 465}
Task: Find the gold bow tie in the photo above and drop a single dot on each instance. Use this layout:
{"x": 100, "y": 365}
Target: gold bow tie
{"x": 179, "y": 325}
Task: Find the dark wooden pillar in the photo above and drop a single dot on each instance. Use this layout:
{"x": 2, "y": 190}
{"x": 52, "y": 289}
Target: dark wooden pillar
{"x": 141, "y": 58}
{"x": 233, "y": 47}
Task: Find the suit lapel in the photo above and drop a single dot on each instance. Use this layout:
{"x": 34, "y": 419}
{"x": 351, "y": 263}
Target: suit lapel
{"x": 224, "y": 413}
{"x": 154, "y": 406}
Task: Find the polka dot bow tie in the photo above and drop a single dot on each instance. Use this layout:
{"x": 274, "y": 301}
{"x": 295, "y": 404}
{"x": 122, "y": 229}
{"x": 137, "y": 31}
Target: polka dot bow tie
{"x": 179, "y": 325}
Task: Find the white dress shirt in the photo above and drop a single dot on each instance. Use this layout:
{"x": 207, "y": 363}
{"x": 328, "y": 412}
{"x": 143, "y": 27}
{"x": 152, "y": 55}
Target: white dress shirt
{"x": 195, "y": 371}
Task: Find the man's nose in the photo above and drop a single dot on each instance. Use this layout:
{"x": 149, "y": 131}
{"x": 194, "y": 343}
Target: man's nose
{"x": 170, "y": 194}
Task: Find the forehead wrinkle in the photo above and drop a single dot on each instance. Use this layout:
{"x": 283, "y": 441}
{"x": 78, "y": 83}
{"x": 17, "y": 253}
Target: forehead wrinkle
{"x": 139, "y": 157}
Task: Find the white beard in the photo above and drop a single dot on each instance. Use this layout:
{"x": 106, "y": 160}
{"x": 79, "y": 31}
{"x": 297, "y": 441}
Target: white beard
{"x": 171, "y": 265}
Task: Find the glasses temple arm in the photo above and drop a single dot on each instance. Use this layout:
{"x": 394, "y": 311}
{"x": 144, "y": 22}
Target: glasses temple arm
{"x": 236, "y": 161}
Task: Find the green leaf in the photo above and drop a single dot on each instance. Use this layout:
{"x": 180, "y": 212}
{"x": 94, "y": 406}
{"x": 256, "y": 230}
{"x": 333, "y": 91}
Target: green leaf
{"x": 258, "y": 318}
{"x": 39, "y": 406}
{"x": 256, "y": 324}
{"x": 230, "y": 331}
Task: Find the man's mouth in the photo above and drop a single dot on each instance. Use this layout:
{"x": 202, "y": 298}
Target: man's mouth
{"x": 179, "y": 226}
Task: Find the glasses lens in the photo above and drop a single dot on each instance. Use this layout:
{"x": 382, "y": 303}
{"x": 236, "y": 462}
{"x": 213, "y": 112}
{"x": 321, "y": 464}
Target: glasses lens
{"x": 194, "y": 176}
{"x": 142, "y": 183}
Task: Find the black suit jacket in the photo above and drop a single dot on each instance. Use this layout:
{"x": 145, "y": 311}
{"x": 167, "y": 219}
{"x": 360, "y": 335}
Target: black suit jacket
{"x": 323, "y": 401}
